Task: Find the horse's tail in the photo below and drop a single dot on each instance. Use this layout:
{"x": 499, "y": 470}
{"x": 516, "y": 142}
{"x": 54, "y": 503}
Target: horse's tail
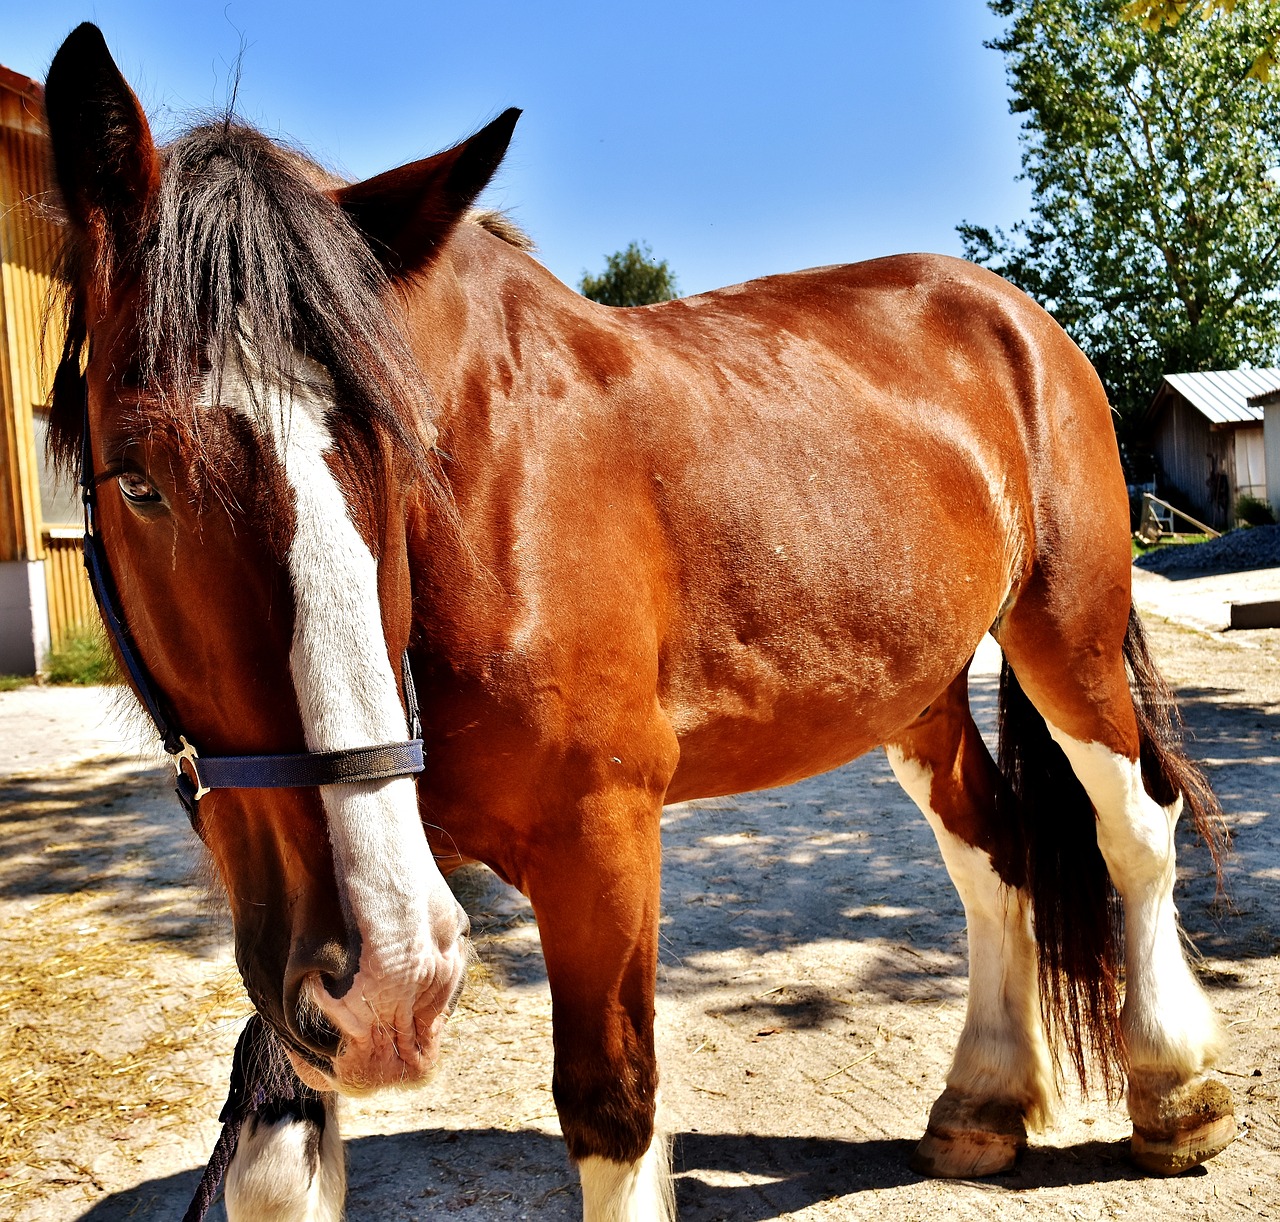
{"x": 1076, "y": 910}
{"x": 1166, "y": 770}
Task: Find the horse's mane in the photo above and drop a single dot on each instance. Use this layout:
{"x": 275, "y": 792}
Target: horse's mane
{"x": 498, "y": 223}
{"x": 244, "y": 252}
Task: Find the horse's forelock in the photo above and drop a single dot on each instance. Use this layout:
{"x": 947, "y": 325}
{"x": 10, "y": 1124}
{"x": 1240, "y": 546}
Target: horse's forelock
{"x": 66, "y": 405}
{"x": 245, "y": 252}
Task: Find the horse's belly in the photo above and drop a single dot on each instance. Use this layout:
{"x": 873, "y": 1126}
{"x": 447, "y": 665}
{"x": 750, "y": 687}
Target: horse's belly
{"x": 829, "y": 587}
{"x": 735, "y": 757}
{"x": 771, "y": 722}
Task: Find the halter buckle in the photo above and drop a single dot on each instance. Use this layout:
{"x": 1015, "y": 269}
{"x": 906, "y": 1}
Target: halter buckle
{"x": 189, "y": 755}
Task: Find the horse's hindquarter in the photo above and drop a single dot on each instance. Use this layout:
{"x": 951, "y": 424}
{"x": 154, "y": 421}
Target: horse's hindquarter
{"x": 782, "y": 515}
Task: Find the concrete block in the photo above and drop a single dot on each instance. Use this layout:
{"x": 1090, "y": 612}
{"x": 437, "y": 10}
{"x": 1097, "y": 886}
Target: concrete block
{"x": 1255, "y": 615}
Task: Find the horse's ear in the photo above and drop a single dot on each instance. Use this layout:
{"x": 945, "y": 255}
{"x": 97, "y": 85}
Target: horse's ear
{"x": 405, "y": 214}
{"x": 103, "y": 154}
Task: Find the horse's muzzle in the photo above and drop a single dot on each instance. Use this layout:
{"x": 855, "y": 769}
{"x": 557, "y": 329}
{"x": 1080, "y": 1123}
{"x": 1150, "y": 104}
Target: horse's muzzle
{"x": 375, "y": 1029}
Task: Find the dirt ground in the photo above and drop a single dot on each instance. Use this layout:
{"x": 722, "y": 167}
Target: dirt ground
{"x": 812, "y": 987}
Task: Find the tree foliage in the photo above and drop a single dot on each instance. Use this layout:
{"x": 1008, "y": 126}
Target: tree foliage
{"x": 1156, "y": 13}
{"x": 1154, "y": 164}
{"x": 631, "y": 277}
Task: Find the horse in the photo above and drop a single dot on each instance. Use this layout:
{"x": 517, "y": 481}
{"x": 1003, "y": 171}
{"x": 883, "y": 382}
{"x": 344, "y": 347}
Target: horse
{"x": 346, "y": 442}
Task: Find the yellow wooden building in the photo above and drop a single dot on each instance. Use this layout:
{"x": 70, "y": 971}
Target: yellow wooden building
{"x": 43, "y": 591}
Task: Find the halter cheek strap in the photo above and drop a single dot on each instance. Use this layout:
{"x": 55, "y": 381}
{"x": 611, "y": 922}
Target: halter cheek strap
{"x": 198, "y": 774}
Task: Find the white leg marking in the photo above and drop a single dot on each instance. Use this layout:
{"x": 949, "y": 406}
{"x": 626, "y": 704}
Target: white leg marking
{"x": 1002, "y": 1053}
{"x": 629, "y": 1192}
{"x": 282, "y": 1173}
{"x": 411, "y": 959}
{"x": 1168, "y": 1024}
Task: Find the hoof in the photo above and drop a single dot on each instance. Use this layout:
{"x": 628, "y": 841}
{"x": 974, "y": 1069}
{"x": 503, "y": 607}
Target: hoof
{"x": 1194, "y": 1123}
{"x": 964, "y": 1156}
{"x": 968, "y": 1138}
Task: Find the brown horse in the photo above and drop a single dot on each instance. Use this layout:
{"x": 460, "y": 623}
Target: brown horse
{"x": 636, "y": 557}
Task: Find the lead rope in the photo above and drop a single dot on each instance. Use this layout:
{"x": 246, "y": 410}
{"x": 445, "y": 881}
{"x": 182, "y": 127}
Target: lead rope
{"x": 240, "y": 1103}
{"x": 263, "y": 1084}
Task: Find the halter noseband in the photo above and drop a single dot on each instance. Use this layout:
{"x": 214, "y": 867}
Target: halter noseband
{"x": 198, "y": 774}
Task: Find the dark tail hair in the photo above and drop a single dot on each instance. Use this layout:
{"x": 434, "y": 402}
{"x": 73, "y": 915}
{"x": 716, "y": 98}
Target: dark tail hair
{"x": 1076, "y": 910}
{"x": 1166, "y": 770}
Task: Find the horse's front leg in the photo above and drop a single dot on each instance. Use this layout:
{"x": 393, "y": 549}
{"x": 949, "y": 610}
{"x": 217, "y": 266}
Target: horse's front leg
{"x": 595, "y": 889}
{"x": 288, "y": 1164}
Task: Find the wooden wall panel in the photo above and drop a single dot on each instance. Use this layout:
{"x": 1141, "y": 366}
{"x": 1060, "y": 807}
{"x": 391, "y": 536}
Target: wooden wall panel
{"x": 28, "y": 349}
{"x": 71, "y": 604}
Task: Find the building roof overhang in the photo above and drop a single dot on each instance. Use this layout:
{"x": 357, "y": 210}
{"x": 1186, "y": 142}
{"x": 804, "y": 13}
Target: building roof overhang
{"x": 1225, "y": 398}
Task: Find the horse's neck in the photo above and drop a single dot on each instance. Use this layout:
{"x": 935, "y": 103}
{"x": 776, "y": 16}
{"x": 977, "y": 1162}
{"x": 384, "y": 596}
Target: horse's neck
{"x": 480, "y": 313}
{"x": 483, "y": 322}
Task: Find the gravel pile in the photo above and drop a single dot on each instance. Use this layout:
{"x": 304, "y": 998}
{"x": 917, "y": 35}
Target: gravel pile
{"x": 1235, "y": 552}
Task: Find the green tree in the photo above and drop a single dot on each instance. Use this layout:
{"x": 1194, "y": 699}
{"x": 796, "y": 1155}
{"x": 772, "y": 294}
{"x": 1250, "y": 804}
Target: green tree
{"x": 631, "y": 277}
{"x": 1154, "y": 163}
{"x": 1156, "y": 13}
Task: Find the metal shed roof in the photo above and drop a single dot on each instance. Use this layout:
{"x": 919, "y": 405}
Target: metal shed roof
{"x": 1223, "y": 396}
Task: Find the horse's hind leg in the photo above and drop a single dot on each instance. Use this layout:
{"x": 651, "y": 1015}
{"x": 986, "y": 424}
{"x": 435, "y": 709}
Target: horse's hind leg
{"x": 1070, "y": 658}
{"x": 1001, "y": 1078}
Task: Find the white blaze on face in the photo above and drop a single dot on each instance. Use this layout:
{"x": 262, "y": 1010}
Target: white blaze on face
{"x": 410, "y": 956}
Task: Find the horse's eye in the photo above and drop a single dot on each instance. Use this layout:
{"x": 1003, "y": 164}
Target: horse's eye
{"x": 137, "y": 490}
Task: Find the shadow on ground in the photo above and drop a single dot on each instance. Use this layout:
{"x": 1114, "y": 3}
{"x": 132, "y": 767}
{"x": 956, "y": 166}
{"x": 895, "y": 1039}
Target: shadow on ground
{"x": 458, "y": 1172}
{"x": 1238, "y": 745}
{"x": 114, "y": 829}
{"x": 739, "y": 872}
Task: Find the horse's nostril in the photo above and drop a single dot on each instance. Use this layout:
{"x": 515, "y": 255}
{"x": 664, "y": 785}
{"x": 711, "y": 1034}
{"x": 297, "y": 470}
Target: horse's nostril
{"x": 330, "y": 965}
{"x": 314, "y": 1028}
{"x": 315, "y": 972}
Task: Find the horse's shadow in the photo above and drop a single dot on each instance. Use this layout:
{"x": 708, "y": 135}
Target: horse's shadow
{"x": 497, "y": 1175}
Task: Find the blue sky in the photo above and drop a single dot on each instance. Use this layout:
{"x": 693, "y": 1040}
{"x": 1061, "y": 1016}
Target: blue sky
{"x": 738, "y": 139}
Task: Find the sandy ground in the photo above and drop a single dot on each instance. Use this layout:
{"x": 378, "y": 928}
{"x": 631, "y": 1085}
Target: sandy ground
{"x": 812, "y": 987}
{"x": 1204, "y": 602}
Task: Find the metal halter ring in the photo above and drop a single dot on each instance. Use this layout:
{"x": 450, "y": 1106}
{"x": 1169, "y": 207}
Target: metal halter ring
{"x": 189, "y": 755}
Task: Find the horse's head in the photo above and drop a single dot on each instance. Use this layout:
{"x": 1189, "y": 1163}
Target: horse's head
{"x": 259, "y": 438}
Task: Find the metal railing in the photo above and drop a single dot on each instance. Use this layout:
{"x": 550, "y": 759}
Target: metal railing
{"x": 1158, "y": 520}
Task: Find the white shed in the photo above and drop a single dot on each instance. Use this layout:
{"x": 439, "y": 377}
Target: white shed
{"x": 1270, "y": 405}
{"x": 1207, "y": 437}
